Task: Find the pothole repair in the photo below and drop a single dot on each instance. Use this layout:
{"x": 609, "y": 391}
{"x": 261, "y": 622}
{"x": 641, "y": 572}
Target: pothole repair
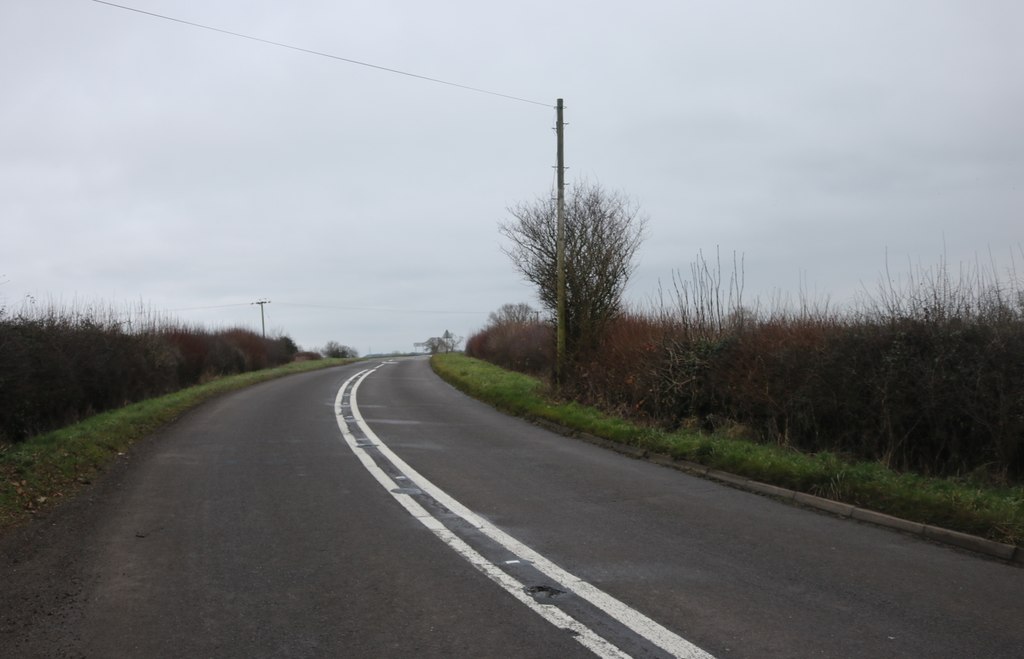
{"x": 543, "y": 592}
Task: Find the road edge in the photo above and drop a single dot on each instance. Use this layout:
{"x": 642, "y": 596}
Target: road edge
{"x": 1010, "y": 554}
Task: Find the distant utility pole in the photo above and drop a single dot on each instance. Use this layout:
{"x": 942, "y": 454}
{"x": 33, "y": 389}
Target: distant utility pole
{"x": 263, "y": 321}
{"x": 560, "y": 250}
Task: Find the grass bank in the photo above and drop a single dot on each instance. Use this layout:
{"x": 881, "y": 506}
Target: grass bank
{"x": 960, "y": 504}
{"x": 48, "y": 468}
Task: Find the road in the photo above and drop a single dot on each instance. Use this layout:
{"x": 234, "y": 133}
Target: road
{"x": 373, "y": 511}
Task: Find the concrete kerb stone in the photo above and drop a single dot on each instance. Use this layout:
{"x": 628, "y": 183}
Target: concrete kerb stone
{"x": 1010, "y": 553}
{"x": 726, "y": 477}
{"x": 973, "y": 543}
{"x": 691, "y": 467}
{"x": 881, "y": 519}
{"x": 835, "y": 507}
{"x": 770, "y": 490}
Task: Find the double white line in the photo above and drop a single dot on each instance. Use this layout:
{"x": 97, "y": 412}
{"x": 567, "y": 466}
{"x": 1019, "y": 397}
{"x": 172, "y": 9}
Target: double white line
{"x": 640, "y": 624}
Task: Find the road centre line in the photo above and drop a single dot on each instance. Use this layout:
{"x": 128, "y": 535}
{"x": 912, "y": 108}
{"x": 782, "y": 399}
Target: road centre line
{"x": 555, "y": 616}
{"x": 640, "y": 624}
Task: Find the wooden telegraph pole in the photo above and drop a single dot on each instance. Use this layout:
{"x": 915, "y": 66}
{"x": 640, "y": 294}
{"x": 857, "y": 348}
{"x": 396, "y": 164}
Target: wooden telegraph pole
{"x": 560, "y": 251}
{"x": 263, "y": 321}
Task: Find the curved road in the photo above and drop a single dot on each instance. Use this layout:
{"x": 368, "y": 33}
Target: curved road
{"x": 373, "y": 511}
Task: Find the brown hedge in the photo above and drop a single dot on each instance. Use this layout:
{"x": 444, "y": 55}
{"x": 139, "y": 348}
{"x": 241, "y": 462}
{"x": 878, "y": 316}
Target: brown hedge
{"x": 57, "y": 368}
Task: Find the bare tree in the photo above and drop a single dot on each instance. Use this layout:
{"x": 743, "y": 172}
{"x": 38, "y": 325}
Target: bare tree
{"x": 335, "y": 349}
{"x": 447, "y": 342}
{"x": 603, "y": 231}
{"x": 512, "y": 314}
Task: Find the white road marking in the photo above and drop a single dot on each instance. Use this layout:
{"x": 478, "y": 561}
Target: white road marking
{"x": 631, "y": 618}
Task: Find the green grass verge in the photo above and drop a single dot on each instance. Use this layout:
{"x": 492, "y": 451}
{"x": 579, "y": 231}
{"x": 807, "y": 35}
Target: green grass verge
{"x": 46, "y": 469}
{"x": 977, "y": 508}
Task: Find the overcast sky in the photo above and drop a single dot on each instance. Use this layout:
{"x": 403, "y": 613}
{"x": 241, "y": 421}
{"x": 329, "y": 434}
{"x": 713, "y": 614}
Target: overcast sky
{"x": 143, "y": 160}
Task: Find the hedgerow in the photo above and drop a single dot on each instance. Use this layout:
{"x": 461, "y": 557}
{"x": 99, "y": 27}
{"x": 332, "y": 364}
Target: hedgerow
{"x": 924, "y": 376}
{"x": 60, "y": 365}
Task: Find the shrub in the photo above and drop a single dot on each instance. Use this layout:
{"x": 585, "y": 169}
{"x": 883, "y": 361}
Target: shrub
{"x": 60, "y": 365}
{"x": 925, "y": 378}
{"x": 526, "y": 346}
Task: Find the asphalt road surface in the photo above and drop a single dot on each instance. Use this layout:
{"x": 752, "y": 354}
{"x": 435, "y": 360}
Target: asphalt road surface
{"x": 373, "y": 511}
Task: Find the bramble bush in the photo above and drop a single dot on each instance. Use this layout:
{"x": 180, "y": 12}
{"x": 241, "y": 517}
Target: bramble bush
{"x": 58, "y": 365}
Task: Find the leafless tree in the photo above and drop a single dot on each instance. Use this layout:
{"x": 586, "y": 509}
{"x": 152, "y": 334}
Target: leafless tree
{"x": 447, "y": 342}
{"x": 335, "y": 349}
{"x": 512, "y": 314}
{"x": 603, "y": 231}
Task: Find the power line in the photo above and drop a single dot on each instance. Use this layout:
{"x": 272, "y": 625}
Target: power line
{"x": 215, "y": 306}
{"x": 380, "y": 309}
{"x": 322, "y": 54}
{"x": 334, "y": 308}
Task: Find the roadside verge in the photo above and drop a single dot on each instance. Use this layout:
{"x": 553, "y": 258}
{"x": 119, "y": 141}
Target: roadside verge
{"x": 964, "y": 514}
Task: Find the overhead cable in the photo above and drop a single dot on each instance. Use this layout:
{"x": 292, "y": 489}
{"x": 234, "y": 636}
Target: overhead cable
{"x": 321, "y": 54}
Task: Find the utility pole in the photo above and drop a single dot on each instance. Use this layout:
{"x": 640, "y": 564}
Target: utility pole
{"x": 560, "y": 251}
{"x": 263, "y": 321}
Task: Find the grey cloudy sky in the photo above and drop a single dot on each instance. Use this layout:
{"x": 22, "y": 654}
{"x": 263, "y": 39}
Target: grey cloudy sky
{"x": 146, "y": 160}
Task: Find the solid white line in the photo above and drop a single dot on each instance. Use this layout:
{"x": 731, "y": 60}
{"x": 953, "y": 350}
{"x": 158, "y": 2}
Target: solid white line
{"x": 630, "y": 617}
{"x": 583, "y": 634}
